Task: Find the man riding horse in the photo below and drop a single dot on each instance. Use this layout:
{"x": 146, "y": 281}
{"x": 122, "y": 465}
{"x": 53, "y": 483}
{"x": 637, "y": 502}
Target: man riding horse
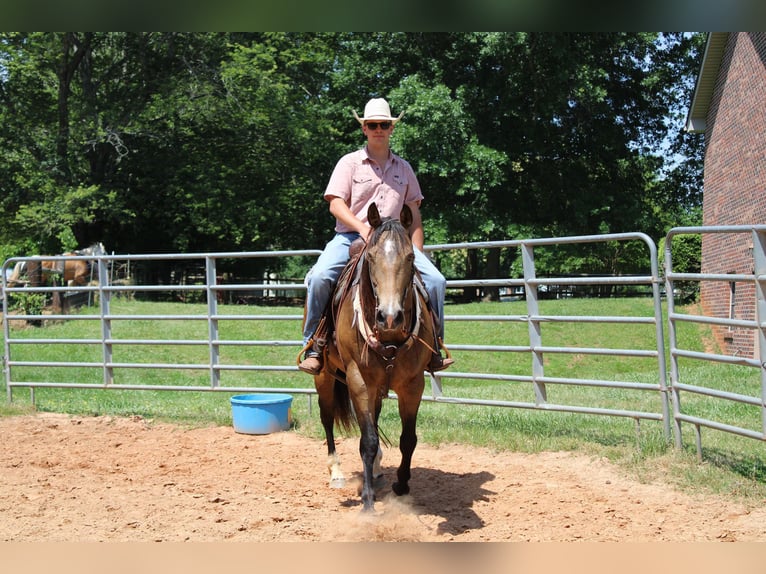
{"x": 373, "y": 174}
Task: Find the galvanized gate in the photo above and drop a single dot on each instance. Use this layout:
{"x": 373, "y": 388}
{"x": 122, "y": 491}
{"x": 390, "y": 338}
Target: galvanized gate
{"x": 536, "y": 386}
{"x": 537, "y": 322}
{"x": 748, "y": 388}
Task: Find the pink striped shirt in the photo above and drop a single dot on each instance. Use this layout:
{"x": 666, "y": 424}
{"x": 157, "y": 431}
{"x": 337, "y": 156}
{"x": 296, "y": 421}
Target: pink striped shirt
{"x": 360, "y": 181}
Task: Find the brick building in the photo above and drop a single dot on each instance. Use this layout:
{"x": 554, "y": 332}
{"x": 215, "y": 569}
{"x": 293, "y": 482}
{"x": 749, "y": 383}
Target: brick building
{"x": 729, "y": 107}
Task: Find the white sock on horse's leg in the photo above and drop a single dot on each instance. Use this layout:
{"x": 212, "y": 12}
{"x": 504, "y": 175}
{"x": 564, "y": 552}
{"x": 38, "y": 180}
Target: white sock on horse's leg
{"x": 337, "y": 480}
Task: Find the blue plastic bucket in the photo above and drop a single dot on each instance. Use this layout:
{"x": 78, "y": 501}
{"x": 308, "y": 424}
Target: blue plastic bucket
{"x": 261, "y": 414}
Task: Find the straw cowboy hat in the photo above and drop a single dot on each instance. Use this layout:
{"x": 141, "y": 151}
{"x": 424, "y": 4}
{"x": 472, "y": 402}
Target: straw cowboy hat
{"x": 377, "y": 109}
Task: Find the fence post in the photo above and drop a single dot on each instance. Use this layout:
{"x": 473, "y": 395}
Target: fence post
{"x": 662, "y": 369}
{"x": 675, "y": 395}
{"x": 6, "y": 334}
{"x": 212, "y": 321}
{"x": 104, "y": 301}
{"x": 759, "y": 269}
{"x": 533, "y": 323}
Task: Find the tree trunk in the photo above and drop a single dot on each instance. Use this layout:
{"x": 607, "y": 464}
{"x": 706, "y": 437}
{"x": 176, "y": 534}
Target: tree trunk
{"x": 492, "y": 270}
{"x": 67, "y": 66}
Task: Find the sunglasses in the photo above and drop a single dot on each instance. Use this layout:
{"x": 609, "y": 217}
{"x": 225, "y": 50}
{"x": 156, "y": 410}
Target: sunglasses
{"x": 374, "y": 125}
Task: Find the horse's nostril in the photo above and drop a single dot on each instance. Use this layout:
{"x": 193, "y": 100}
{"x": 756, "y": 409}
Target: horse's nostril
{"x": 389, "y": 320}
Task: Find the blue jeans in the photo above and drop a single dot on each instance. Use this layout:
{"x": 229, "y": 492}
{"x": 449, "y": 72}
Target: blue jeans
{"x": 321, "y": 280}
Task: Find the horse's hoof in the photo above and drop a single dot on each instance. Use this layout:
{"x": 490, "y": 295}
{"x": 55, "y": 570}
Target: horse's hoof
{"x": 400, "y": 489}
{"x": 338, "y": 482}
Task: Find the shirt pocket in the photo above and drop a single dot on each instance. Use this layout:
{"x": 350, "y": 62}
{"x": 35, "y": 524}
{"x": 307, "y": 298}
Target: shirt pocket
{"x": 398, "y": 182}
{"x": 362, "y": 186}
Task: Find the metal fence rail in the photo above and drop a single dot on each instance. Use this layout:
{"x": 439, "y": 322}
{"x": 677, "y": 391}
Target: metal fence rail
{"x": 106, "y": 318}
{"x": 528, "y": 389}
{"x": 535, "y": 320}
{"x": 756, "y": 279}
{"x": 537, "y": 381}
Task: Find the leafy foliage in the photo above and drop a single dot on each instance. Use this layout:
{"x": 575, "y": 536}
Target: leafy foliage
{"x": 155, "y": 142}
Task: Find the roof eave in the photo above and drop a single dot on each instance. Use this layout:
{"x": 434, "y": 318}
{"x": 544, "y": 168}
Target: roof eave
{"x": 696, "y": 119}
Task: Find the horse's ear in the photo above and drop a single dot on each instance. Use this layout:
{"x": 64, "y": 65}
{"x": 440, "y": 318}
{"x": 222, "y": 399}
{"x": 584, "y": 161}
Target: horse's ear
{"x": 406, "y": 216}
{"x": 373, "y": 216}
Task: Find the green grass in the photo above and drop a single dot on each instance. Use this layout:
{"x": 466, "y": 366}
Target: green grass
{"x": 732, "y": 465}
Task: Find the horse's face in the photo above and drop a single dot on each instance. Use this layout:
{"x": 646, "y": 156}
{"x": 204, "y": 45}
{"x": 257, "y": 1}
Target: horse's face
{"x": 95, "y": 249}
{"x": 391, "y": 264}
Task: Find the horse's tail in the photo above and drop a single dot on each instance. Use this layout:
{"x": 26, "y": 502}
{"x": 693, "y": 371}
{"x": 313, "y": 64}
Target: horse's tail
{"x": 343, "y": 411}
{"x": 18, "y": 270}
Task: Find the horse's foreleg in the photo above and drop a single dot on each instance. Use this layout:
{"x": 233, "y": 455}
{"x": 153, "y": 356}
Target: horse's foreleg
{"x": 409, "y": 403}
{"x": 366, "y": 405}
{"x": 407, "y": 442}
{"x": 369, "y": 446}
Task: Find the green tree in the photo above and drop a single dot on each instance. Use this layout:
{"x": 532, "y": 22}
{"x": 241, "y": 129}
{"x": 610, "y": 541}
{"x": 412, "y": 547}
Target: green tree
{"x": 555, "y": 134}
{"x": 224, "y": 141}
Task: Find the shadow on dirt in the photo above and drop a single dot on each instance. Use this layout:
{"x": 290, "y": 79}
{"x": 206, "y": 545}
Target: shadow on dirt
{"x": 436, "y": 492}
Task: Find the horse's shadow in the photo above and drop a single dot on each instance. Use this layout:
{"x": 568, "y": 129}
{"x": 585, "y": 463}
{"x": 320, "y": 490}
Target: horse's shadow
{"x": 439, "y": 493}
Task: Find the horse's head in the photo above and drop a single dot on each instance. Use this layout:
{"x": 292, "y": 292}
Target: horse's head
{"x": 391, "y": 263}
{"x": 96, "y": 249}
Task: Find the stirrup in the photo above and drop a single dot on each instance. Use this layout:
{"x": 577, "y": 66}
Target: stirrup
{"x": 437, "y": 363}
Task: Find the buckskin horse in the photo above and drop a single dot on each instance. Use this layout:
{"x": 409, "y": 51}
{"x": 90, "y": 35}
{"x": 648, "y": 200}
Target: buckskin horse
{"x": 73, "y": 272}
{"x": 383, "y": 332}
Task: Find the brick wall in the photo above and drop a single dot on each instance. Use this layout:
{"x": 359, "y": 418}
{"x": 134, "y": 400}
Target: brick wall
{"x": 735, "y": 183}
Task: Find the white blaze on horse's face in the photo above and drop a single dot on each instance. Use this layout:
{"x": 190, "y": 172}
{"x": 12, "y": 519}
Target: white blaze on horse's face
{"x": 389, "y": 248}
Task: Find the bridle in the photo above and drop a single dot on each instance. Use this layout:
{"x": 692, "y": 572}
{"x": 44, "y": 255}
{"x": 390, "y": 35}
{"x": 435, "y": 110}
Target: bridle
{"x": 371, "y": 334}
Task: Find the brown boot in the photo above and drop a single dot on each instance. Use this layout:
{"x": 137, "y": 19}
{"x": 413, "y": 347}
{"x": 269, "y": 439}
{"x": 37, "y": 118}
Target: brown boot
{"x": 312, "y": 362}
{"x": 438, "y": 363}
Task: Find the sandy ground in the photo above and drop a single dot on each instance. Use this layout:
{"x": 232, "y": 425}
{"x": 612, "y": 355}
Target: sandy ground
{"x": 80, "y": 479}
